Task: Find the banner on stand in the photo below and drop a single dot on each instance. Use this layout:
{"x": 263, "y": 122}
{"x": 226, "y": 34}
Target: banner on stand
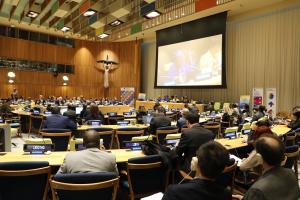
{"x": 244, "y": 99}
{"x": 258, "y": 94}
{"x": 271, "y": 101}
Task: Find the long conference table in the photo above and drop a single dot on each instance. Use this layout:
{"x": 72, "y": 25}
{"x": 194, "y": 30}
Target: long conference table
{"x": 122, "y": 155}
{"x": 149, "y": 105}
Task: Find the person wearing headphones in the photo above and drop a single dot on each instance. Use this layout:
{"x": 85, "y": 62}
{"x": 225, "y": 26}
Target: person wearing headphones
{"x": 295, "y": 123}
{"x": 210, "y": 161}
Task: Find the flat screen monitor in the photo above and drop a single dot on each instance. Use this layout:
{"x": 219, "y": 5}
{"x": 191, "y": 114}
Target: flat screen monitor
{"x": 246, "y": 131}
{"x": 127, "y": 114}
{"x": 230, "y": 135}
{"x": 134, "y": 146}
{"x": 79, "y": 147}
{"x": 36, "y": 112}
{"x": 112, "y": 114}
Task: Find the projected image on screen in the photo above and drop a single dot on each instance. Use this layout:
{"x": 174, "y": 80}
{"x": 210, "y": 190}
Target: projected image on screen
{"x": 191, "y": 63}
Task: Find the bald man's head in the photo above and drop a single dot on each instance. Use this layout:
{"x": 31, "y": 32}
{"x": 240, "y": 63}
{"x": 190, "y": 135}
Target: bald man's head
{"x": 91, "y": 139}
{"x": 271, "y": 148}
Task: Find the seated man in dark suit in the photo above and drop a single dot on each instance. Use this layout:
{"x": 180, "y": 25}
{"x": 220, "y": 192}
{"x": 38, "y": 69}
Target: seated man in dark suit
{"x": 71, "y": 113}
{"x": 191, "y": 139}
{"x": 159, "y": 120}
{"x": 276, "y": 183}
{"x": 210, "y": 162}
{"x": 57, "y": 121}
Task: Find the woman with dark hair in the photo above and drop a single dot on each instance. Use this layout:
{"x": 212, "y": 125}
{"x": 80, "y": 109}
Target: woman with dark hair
{"x": 260, "y": 113}
{"x": 84, "y": 111}
{"x": 254, "y": 159}
{"x": 295, "y": 123}
{"x": 95, "y": 114}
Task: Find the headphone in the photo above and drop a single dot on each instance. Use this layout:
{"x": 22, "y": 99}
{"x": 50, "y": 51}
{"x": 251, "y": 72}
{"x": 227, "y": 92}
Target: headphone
{"x": 194, "y": 164}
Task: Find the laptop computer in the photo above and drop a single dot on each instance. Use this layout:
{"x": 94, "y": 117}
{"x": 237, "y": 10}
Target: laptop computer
{"x": 246, "y": 131}
{"x": 36, "y": 112}
{"x": 230, "y": 135}
{"x": 112, "y": 114}
{"x": 134, "y": 146}
{"x": 127, "y": 114}
{"x": 94, "y": 122}
{"x": 172, "y": 142}
{"x": 79, "y": 147}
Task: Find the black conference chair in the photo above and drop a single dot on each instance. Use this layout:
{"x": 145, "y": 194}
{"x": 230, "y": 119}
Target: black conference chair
{"x": 162, "y": 132}
{"x": 226, "y": 179}
{"x": 146, "y": 176}
{"x": 290, "y": 139}
{"x": 215, "y": 128}
{"x": 292, "y": 154}
{"x": 107, "y": 134}
{"x": 79, "y": 186}
{"x": 126, "y": 134}
{"x": 60, "y": 138}
{"x": 24, "y": 180}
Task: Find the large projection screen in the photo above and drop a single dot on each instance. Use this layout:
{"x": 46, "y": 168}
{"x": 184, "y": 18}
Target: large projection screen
{"x": 192, "y": 54}
{"x": 191, "y": 63}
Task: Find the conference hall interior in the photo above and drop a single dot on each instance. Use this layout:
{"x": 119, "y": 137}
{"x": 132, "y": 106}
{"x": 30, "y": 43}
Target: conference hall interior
{"x": 149, "y": 99}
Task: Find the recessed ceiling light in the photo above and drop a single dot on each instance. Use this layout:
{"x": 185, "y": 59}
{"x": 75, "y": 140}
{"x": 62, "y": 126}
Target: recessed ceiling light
{"x": 89, "y": 13}
{"x": 152, "y": 14}
{"x": 32, "y": 14}
{"x": 103, "y": 35}
{"x": 116, "y": 23}
{"x": 65, "y": 29}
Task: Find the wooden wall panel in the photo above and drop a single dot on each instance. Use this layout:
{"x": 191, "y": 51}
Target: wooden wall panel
{"x": 87, "y": 79}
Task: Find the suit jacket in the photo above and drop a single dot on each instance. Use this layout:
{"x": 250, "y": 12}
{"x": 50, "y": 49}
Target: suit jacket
{"x": 89, "y": 160}
{"x": 59, "y": 122}
{"x": 197, "y": 189}
{"x": 158, "y": 122}
{"x": 71, "y": 114}
{"x": 294, "y": 124}
{"x": 275, "y": 184}
{"x": 191, "y": 139}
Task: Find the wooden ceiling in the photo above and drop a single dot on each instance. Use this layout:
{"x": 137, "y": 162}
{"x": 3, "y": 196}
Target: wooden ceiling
{"x": 52, "y": 15}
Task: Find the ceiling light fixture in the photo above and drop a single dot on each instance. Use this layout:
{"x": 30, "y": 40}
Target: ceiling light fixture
{"x": 65, "y": 78}
{"x": 32, "y": 14}
{"x": 89, "y": 12}
{"x": 116, "y": 23}
{"x": 65, "y": 29}
{"x": 11, "y": 74}
{"x": 152, "y": 14}
{"x": 11, "y": 81}
{"x": 65, "y": 84}
{"x": 103, "y": 35}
